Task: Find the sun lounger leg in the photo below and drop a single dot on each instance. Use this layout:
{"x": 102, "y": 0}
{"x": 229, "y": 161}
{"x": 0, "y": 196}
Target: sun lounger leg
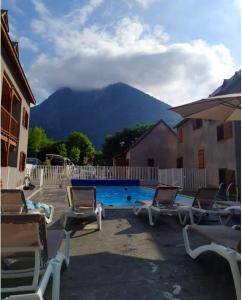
{"x": 228, "y": 219}
{"x": 49, "y": 220}
{"x": 137, "y": 210}
{"x": 44, "y": 281}
{"x": 150, "y": 216}
{"x": 235, "y": 272}
{"x": 67, "y": 247}
{"x": 193, "y": 253}
{"x": 103, "y": 211}
{"x": 180, "y": 218}
{"x": 99, "y": 218}
{"x": 56, "y": 280}
{"x": 186, "y": 240}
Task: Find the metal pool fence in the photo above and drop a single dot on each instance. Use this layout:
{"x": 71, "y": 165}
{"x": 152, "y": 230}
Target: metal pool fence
{"x": 189, "y": 179}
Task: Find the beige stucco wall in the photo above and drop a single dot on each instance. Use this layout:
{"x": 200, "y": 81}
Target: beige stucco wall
{"x": 218, "y": 154}
{"x": 17, "y": 178}
{"x": 160, "y": 144}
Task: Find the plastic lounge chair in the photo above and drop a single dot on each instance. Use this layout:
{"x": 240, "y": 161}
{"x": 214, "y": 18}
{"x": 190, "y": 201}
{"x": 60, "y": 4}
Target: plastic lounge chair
{"x": 13, "y": 201}
{"x": 205, "y": 204}
{"x": 223, "y": 240}
{"x": 82, "y": 203}
{"x": 163, "y": 203}
{"x": 233, "y": 207}
{"x": 30, "y": 251}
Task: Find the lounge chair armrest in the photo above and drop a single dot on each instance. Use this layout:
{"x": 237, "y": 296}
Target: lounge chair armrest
{"x": 211, "y": 211}
{"x": 196, "y": 209}
{"x": 237, "y": 227}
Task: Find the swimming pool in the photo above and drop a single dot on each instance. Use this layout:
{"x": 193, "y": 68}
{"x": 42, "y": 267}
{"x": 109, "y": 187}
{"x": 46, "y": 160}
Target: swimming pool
{"x": 118, "y": 195}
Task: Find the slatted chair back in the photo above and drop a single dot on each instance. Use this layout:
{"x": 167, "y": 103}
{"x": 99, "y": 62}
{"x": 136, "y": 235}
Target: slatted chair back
{"x": 13, "y": 201}
{"x": 205, "y": 198}
{"x": 82, "y": 198}
{"x": 165, "y": 195}
{"x": 23, "y": 231}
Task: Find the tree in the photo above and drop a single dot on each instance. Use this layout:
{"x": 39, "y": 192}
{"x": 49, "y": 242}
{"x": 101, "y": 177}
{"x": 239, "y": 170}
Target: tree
{"x": 120, "y": 141}
{"x": 37, "y": 141}
{"x": 74, "y": 155}
{"x": 81, "y": 141}
{"x": 99, "y": 159}
{"x": 61, "y": 149}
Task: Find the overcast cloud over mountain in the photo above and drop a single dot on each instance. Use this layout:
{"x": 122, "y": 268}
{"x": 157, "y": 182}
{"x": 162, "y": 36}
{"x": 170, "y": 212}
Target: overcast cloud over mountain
{"x": 90, "y": 44}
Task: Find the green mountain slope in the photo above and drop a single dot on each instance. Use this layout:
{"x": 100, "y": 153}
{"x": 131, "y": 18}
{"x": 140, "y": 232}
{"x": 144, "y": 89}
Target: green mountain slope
{"x": 98, "y": 112}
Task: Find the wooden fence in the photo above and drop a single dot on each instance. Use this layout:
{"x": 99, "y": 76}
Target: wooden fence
{"x": 189, "y": 179}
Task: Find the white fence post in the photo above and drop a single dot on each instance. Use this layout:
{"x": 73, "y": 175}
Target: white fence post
{"x": 41, "y": 177}
{"x": 189, "y": 179}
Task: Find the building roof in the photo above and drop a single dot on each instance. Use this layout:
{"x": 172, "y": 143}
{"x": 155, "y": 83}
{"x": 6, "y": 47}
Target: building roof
{"x": 143, "y": 136}
{"x": 181, "y": 123}
{"x": 12, "y": 51}
{"x": 229, "y": 86}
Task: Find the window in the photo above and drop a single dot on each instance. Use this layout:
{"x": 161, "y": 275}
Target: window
{"x": 4, "y": 154}
{"x": 224, "y": 131}
{"x": 226, "y": 176}
{"x": 25, "y": 118}
{"x": 180, "y": 135}
{"x": 151, "y": 162}
{"x": 22, "y": 160}
{"x": 201, "y": 160}
{"x": 179, "y": 162}
{"x": 197, "y": 123}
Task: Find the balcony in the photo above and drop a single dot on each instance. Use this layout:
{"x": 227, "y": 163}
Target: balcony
{"x": 9, "y": 125}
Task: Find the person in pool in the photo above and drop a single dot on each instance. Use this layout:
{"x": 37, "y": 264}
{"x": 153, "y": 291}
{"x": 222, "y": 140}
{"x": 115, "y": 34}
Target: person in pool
{"x": 129, "y": 198}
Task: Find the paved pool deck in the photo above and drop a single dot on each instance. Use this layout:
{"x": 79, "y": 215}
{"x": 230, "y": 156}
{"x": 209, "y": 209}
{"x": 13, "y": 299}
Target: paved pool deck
{"x": 129, "y": 260}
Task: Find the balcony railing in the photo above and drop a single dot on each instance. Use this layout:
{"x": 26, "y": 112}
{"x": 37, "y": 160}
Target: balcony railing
{"x": 9, "y": 125}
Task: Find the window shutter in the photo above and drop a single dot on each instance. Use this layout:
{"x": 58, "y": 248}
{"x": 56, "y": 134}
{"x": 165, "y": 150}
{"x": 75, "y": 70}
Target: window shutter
{"x": 228, "y": 133}
{"x": 26, "y": 119}
{"x": 22, "y": 159}
{"x": 23, "y": 117}
{"x": 180, "y": 135}
{"x": 201, "y": 161}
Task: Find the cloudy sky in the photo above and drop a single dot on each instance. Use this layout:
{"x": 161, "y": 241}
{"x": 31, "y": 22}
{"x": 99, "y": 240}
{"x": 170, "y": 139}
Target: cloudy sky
{"x": 174, "y": 50}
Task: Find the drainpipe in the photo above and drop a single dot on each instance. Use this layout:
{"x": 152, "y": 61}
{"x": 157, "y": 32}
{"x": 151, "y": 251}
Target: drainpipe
{"x": 237, "y": 141}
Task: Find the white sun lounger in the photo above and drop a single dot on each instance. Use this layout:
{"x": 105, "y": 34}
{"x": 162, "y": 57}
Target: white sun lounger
{"x": 163, "y": 203}
{"x": 221, "y": 239}
{"x": 82, "y": 203}
{"x": 28, "y": 250}
{"x": 205, "y": 204}
{"x": 13, "y": 201}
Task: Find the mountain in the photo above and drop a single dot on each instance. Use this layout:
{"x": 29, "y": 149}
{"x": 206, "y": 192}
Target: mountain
{"x": 229, "y": 86}
{"x": 98, "y": 112}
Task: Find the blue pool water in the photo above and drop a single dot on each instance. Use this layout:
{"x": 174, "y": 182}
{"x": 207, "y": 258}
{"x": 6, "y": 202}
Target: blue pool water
{"x": 117, "y": 196}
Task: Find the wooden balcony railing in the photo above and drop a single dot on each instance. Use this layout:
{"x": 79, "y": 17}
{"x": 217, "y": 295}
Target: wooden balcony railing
{"x": 9, "y": 125}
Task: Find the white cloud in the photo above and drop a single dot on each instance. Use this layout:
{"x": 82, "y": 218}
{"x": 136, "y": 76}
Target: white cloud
{"x": 130, "y": 51}
{"x": 14, "y": 7}
{"x": 145, "y": 3}
{"x": 237, "y": 4}
{"x": 26, "y": 43}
